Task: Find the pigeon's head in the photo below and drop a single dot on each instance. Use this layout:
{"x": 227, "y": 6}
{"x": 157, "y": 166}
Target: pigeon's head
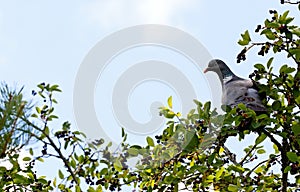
{"x": 218, "y": 66}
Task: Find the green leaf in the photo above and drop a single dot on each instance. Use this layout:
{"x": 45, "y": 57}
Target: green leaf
{"x": 118, "y": 165}
{"x": 262, "y": 116}
{"x": 211, "y": 158}
{"x": 104, "y": 171}
{"x": 282, "y": 18}
{"x": 123, "y": 132}
{"x": 295, "y": 52}
{"x": 46, "y": 130}
{"x": 77, "y": 188}
{"x": 289, "y": 20}
{"x": 269, "y": 34}
{"x": 238, "y": 168}
{"x": 133, "y": 151}
{"x": 245, "y": 38}
{"x": 242, "y": 106}
{"x": 270, "y": 62}
{"x": 38, "y": 110}
{"x": 60, "y": 174}
{"x": 170, "y": 104}
{"x": 296, "y": 32}
{"x": 54, "y": 182}
{"x": 296, "y": 129}
{"x": 192, "y": 112}
{"x": 276, "y": 105}
{"x": 207, "y": 106}
{"x": 54, "y": 88}
{"x": 259, "y": 170}
{"x": 287, "y": 169}
{"x": 81, "y": 159}
{"x": 99, "y": 188}
{"x": 298, "y": 176}
{"x": 221, "y": 150}
{"x": 276, "y": 149}
{"x": 26, "y": 159}
{"x": 210, "y": 178}
{"x": 170, "y": 114}
{"x": 52, "y": 117}
{"x": 261, "y": 151}
{"x": 197, "y": 103}
{"x": 219, "y": 173}
{"x": 167, "y": 113}
{"x": 286, "y": 69}
{"x": 292, "y": 156}
{"x": 31, "y": 151}
{"x": 233, "y": 188}
{"x": 30, "y": 175}
{"x": 260, "y": 138}
{"x": 34, "y": 115}
{"x": 150, "y": 141}
{"x": 73, "y": 163}
{"x": 191, "y": 141}
{"x": 297, "y": 100}
{"x": 90, "y": 189}
{"x": 18, "y": 179}
{"x": 260, "y": 67}
{"x": 270, "y": 24}
{"x": 169, "y": 179}
{"x": 40, "y": 159}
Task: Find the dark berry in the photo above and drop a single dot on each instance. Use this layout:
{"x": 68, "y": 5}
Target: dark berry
{"x": 33, "y": 92}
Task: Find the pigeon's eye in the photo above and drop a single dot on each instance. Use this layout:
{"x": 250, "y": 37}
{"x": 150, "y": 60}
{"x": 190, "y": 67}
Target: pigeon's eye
{"x": 215, "y": 65}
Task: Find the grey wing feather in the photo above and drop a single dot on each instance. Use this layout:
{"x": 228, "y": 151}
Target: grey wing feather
{"x": 241, "y": 91}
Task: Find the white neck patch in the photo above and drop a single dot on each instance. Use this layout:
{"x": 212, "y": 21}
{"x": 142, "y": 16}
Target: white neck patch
{"x": 226, "y": 79}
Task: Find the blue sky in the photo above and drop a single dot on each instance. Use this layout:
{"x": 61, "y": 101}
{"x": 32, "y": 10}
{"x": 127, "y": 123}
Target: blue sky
{"x": 46, "y": 41}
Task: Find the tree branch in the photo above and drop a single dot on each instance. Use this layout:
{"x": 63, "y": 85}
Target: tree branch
{"x": 272, "y": 139}
{"x": 247, "y": 155}
{"x": 62, "y": 157}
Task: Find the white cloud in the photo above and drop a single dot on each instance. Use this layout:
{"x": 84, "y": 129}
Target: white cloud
{"x": 119, "y": 13}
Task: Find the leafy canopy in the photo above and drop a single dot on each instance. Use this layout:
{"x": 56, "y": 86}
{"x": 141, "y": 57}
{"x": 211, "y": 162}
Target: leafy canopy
{"x": 190, "y": 154}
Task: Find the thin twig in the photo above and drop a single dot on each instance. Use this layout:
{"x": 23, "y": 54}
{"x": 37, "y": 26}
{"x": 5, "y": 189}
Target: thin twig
{"x": 293, "y": 3}
{"x": 247, "y": 155}
{"x": 62, "y": 157}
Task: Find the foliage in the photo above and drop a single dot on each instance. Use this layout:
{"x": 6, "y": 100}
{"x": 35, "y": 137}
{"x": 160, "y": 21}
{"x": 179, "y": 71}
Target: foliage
{"x": 15, "y": 134}
{"x": 190, "y": 154}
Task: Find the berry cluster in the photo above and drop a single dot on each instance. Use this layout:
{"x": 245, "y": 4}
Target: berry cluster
{"x": 254, "y": 74}
{"x": 295, "y": 168}
{"x": 44, "y": 150}
{"x": 242, "y": 55}
{"x": 200, "y": 126}
{"x": 66, "y": 135}
{"x": 265, "y": 49}
{"x": 258, "y": 28}
{"x": 158, "y": 138}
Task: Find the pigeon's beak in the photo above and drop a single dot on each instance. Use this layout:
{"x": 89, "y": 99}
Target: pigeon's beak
{"x": 205, "y": 70}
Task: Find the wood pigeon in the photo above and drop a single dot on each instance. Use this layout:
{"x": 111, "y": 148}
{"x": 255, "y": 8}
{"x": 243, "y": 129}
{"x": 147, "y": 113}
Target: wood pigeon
{"x": 235, "y": 89}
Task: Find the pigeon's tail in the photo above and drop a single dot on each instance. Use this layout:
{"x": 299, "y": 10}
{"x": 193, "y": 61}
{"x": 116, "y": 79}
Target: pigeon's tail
{"x": 254, "y": 106}
{"x": 250, "y": 101}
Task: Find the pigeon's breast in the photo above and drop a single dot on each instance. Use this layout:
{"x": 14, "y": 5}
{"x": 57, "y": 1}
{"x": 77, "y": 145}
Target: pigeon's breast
{"x": 241, "y": 91}
{"x": 235, "y": 91}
